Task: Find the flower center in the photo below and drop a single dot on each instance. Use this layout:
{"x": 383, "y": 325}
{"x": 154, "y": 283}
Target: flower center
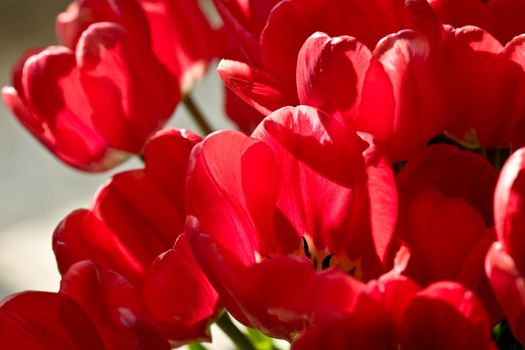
{"x": 324, "y": 259}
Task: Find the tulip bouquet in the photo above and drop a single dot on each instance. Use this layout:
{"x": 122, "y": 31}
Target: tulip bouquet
{"x": 374, "y": 197}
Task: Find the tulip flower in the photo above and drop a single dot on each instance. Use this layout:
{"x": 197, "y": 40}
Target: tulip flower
{"x": 397, "y": 314}
{"x": 92, "y": 120}
{"x": 134, "y": 228}
{"x": 302, "y": 194}
{"x": 445, "y": 218}
{"x": 43, "y": 320}
{"x": 177, "y": 31}
{"x": 94, "y": 309}
{"x": 485, "y": 46}
{"x": 88, "y": 119}
{"x": 397, "y": 60}
{"x": 505, "y": 262}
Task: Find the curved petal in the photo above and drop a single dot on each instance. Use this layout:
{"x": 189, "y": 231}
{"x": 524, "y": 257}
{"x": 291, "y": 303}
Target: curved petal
{"x": 178, "y": 295}
{"x": 81, "y": 236}
{"x": 114, "y": 306}
{"x": 473, "y": 178}
{"x": 320, "y": 197}
{"x": 57, "y": 109}
{"x": 182, "y": 39}
{"x": 446, "y": 316}
{"x": 281, "y": 295}
{"x": 492, "y": 82}
{"x": 232, "y": 191}
{"x": 136, "y": 216}
{"x": 291, "y": 22}
{"x": 49, "y": 321}
{"x": 508, "y": 286}
{"x": 368, "y": 326}
{"x": 419, "y": 84}
{"x": 93, "y": 157}
{"x": 509, "y": 214}
{"x": 257, "y": 88}
{"x": 79, "y": 15}
{"x": 330, "y": 73}
{"x": 136, "y": 99}
{"x": 440, "y": 235}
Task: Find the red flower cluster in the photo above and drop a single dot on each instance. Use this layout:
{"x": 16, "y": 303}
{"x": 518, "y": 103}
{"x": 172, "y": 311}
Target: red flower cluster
{"x": 365, "y": 209}
{"x": 114, "y": 81}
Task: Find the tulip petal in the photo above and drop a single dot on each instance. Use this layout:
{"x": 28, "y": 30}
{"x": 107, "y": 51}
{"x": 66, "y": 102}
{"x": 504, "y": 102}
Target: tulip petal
{"x": 291, "y": 22}
{"x": 509, "y": 214}
{"x": 440, "y": 235}
{"x": 81, "y": 236}
{"x": 54, "y": 96}
{"x": 136, "y": 216}
{"x": 446, "y": 316}
{"x": 182, "y": 38}
{"x": 368, "y": 326}
{"x": 280, "y": 296}
{"x": 178, "y": 295}
{"x": 416, "y": 76}
{"x": 138, "y": 86}
{"x": 508, "y": 286}
{"x": 49, "y": 321}
{"x": 233, "y": 190}
{"x": 492, "y": 85}
{"x": 80, "y": 15}
{"x": 320, "y": 197}
{"x": 330, "y": 73}
{"x": 257, "y": 88}
{"x": 473, "y": 178}
{"x": 114, "y": 306}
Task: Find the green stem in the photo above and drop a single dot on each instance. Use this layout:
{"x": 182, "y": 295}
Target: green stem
{"x": 197, "y": 115}
{"x": 239, "y": 338}
{"x": 197, "y": 346}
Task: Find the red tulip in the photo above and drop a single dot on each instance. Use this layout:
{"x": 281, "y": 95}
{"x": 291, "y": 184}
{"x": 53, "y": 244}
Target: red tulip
{"x": 43, "y": 320}
{"x": 182, "y": 38}
{"x": 89, "y": 119}
{"x": 444, "y": 218}
{"x": 80, "y": 14}
{"x": 393, "y": 55}
{"x": 509, "y": 207}
{"x": 114, "y": 306}
{"x": 505, "y": 263}
{"x": 243, "y": 23}
{"x": 368, "y": 22}
{"x": 303, "y": 193}
{"x": 397, "y": 314}
{"x": 343, "y": 77}
{"x": 177, "y": 31}
{"x": 134, "y": 228}
{"x": 488, "y": 62}
{"x": 94, "y": 309}
{"x": 490, "y": 80}
{"x": 452, "y": 172}
{"x": 291, "y": 22}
